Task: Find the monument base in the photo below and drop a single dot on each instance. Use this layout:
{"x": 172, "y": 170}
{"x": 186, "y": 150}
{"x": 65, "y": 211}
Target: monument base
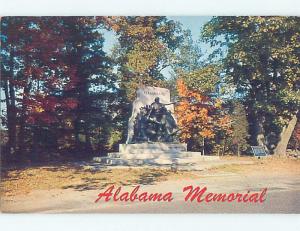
{"x": 141, "y": 148}
{"x": 154, "y": 154}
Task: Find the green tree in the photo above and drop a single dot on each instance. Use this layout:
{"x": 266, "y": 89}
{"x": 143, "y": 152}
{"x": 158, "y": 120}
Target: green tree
{"x": 262, "y": 60}
{"x": 187, "y": 59}
{"x": 240, "y": 127}
{"x": 146, "y": 47}
{"x": 95, "y": 88}
{"x": 189, "y": 55}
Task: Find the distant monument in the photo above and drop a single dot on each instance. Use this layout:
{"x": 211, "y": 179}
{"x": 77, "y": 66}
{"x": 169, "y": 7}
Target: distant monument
{"x": 152, "y": 117}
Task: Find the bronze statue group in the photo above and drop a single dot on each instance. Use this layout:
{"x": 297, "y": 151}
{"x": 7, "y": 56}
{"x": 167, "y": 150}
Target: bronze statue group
{"x": 155, "y": 123}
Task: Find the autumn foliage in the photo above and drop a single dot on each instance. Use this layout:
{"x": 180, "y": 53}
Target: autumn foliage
{"x": 199, "y": 116}
{"x": 61, "y": 90}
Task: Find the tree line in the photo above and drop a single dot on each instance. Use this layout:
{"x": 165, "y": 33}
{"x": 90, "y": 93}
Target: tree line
{"x": 65, "y": 96}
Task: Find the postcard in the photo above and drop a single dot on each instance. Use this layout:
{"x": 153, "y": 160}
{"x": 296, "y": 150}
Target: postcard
{"x": 150, "y": 114}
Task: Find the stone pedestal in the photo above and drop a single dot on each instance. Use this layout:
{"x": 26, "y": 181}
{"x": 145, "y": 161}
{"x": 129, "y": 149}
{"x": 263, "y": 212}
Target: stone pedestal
{"x": 148, "y": 148}
{"x": 154, "y": 154}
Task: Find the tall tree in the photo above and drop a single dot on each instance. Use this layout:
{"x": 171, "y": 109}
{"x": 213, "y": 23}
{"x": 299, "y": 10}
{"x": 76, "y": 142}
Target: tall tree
{"x": 240, "y": 127}
{"x": 187, "y": 58}
{"x": 55, "y": 72}
{"x": 95, "y": 88}
{"x": 31, "y": 63}
{"x": 146, "y": 47}
{"x": 263, "y": 61}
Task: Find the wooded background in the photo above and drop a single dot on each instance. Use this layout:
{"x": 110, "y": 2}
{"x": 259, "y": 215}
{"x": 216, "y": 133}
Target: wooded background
{"x": 65, "y": 97}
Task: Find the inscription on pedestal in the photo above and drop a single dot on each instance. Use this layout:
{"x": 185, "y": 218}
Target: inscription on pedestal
{"x": 146, "y": 148}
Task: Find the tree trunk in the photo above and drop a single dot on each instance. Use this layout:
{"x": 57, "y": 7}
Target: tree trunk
{"x": 10, "y": 123}
{"x": 88, "y": 144}
{"x": 224, "y": 147}
{"x": 76, "y": 133}
{"x": 238, "y": 150}
{"x": 11, "y": 110}
{"x": 23, "y": 119}
{"x": 11, "y": 107}
{"x": 203, "y": 144}
{"x": 259, "y": 131}
{"x": 285, "y": 136}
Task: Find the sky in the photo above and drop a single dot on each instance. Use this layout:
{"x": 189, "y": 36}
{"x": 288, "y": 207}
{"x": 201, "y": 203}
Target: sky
{"x": 193, "y": 23}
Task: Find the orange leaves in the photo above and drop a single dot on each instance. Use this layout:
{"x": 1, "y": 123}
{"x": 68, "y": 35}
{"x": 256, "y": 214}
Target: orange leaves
{"x": 192, "y": 117}
{"x": 181, "y": 88}
{"x": 198, "y": 115}
{"x": 207, "y": 133}
{"x": 184, "y": 92}
{"x": 225, "y": 121}
{"x": 39, "y": 109}
{"x": 225, "y": 124}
